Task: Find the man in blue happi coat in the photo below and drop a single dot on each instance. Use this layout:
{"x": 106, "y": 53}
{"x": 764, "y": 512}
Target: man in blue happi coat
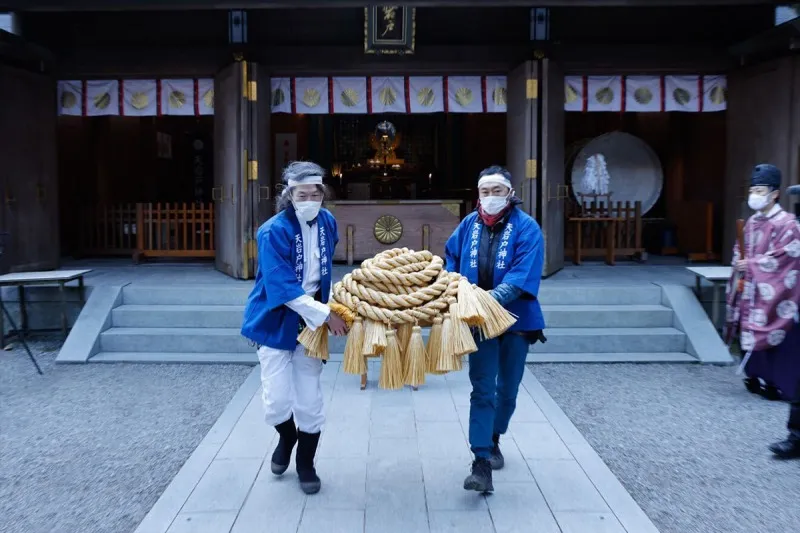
{"x": 292, "y": 287}
{"x": 499, "y": 248}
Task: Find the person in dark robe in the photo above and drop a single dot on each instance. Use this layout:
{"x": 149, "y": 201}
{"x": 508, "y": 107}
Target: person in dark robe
{"x": 766, "y": 311}
{"x": 500, "y": 248}
{"x": 292, "y": 288}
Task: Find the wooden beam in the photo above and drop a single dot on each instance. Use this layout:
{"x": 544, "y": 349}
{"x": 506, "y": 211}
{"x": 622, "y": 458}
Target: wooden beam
{"x": 132, "y": 5}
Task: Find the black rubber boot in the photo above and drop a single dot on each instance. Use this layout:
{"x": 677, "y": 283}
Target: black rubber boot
{"x": 306, "y": 450}
{"x": 752, "y": 385}
{"x": 282, "y": 456}
{"x": 787, "y": 449}
{"x": 480, "y": 479}
{"x": 497, "y": 460}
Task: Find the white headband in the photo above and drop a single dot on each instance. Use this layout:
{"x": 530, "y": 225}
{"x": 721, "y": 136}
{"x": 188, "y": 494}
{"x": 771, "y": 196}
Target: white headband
{"x": 497, "y": 179}
{"x": 309, "y": 180}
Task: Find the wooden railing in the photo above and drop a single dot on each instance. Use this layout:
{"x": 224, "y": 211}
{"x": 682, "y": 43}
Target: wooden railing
{"x": 150, "y": 230}
{"x": 603, "y": 230}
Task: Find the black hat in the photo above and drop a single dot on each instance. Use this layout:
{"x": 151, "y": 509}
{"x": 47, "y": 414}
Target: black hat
{"x": 766, "y": 175}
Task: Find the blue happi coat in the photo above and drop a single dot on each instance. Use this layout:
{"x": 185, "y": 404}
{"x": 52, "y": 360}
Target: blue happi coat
{"x": 279, "y": 278}
{"x": 518, "y": 262}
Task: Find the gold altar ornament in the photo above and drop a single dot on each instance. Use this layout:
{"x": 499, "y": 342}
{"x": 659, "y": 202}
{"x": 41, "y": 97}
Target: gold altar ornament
{"x": 570, "y": 93}
{"x": 426, "y": 97}
{"x": 388, "y": 229}
{"x": 464, "y": 96}
{"x": 139, "y": 100}
{"x": 500, "y": 96}
{"x": 387, "y": 96}
{"x": 278, "y": 97}
{"x": 208, "y": 98}
{"x": 102, "y": 101}
{"x": 643, "y": 95}
{"x": 681, "y": 96}
{"x": 350, "y": 97}
{"x": 177, "y": 99}
{"x": 605, "y": 95}
{"x": 311, "y": 97}
{"x": 718, "y": 95}
{"x": 68, "y": 100}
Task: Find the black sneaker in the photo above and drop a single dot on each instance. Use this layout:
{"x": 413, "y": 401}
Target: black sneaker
{"x": 497, "y": 460}
{"x": 480, "y": 480}
{"x": 787, "y": 449}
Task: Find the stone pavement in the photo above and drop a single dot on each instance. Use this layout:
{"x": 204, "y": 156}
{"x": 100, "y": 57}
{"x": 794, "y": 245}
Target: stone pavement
{"x": 394, "y": 461}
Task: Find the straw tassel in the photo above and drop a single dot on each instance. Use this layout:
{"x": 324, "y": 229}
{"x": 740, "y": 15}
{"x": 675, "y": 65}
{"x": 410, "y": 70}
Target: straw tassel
{"x": 469, "y": 307}
{"x": 354, "y": 361}
{"x": 434, "y": 346}
{"x": 391, "y": 377}
{"x": 497, "y": 319}
{"x": 403, "y": 335}
{"x": 448, "y": 360}
{"x": 415, "y": 358}
{"x": 374, "y": 339}
{"x": 464, "y": 341}
{"x": 315, "y": 342}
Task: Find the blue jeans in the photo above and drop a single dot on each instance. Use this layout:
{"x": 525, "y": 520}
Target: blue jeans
{"x": 495, "y": 371}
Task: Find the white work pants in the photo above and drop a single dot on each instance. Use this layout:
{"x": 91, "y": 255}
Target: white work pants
{"x": 290, "y": 385}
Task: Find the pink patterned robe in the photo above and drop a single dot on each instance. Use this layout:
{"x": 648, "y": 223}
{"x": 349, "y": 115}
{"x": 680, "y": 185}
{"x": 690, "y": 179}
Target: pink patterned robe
{"x": 767, "y": 310}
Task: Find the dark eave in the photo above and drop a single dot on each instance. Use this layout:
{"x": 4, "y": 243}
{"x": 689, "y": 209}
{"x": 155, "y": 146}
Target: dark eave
{"x": 774, "y": 42}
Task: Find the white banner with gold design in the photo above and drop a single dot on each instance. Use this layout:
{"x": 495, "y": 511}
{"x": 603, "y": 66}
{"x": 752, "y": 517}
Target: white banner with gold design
{"x": 70, "y": 98}
{"x": 715, "y": 93}
{"x": 281, "y": 95}
{"x": 102, "y": 98}
{"x": 682, "y": 93}
{"x": 496, "y": 94}
{"x": 311, "y": 95}
{"x": 643, "y": 94}
{"x": 205, "y": 97}
{"x": 350, "y": 95}
{"x": 177, "y": 97}
{"x": 464, "y": 94}
{"x": 139, "y": 98}
{"x": 388, "y": 94}
{"x": 604, "y": 93}
{"x": 426, "y": 94}
{"x": 573, "y": 93}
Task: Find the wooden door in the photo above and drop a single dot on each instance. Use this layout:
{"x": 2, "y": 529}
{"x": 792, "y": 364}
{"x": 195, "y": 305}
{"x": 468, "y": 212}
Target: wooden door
{"x": 552, "y": 189}
{"x": 241, "y": 185}
{"x": 28, "y": 170}
{"x": 521, "y": 138}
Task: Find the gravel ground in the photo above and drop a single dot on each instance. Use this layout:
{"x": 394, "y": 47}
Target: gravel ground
{"x": 90, "y": 448}
{"x": 687, "y": 441}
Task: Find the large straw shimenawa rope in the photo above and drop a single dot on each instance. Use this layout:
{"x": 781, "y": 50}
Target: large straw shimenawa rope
{"x": 389, "y": 298}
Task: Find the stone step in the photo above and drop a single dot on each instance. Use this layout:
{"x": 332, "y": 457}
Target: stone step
{"x": 175, "y": 357}
{"x": 653, "y": 357}
{"x": 228, "y": 340}
{"x": 237, "y": 294}
{"x": 230, "y": 316}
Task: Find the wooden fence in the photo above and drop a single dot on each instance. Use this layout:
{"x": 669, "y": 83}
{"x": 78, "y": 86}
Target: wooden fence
{"x": 150, "y": 230}
{"x": 609, "y": 230}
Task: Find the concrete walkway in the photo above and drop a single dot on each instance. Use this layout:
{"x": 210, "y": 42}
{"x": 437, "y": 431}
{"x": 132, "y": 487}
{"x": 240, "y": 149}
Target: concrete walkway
{"x": 394, "y": 461}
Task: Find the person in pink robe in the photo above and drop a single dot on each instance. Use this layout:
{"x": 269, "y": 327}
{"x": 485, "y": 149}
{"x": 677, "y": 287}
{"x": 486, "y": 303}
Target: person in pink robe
{"x": 766, "y": 311}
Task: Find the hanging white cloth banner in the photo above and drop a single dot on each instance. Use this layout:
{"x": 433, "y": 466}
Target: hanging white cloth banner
{"x": 604, "y": 93}
{"x": 388, "y": 94}
{"x": 139, "y": 98}
{"x": 426, "y": 94}
{"x": 205, "y": 96}
{"x": 281, "y": 95}
{"x": 682, "y": 93}
{"x": 643, "y": 94}
{"x": 496, "y": 94}
{"x": 70, "y": 98}
{"x": 715, "y": 93}
{"x": 102, "y": 98}
{"x": 573, "y": 93}
{"x": 311, "y": 95}
{"x": 464, "y": 94}
{"x": 177, "y": 97}
{"x": 350, "y": 95}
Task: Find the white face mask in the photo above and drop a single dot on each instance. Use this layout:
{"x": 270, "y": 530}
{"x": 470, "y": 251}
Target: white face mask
{"x": 307, "y": 211}
{"x": 757, "y": 202}
{"x": 492, "y": 205}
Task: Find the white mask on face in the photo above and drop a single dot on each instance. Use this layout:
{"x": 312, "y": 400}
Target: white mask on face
{"x": 757, "y": 202}
{"x": 307, "y": 211}
{"x": 492, "y": 205}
